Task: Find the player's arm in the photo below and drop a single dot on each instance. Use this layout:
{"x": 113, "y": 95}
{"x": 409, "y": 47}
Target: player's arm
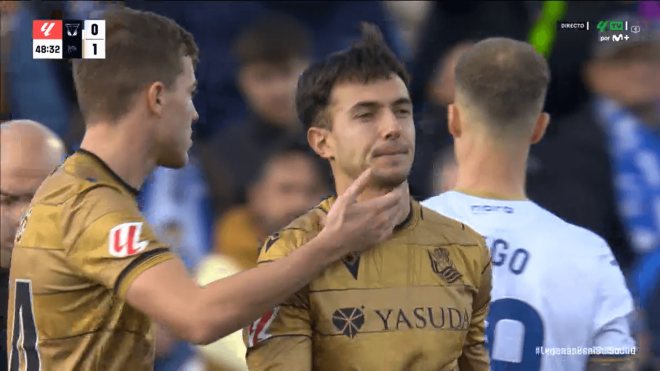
{"x": 109, "y": 242}
{"x": 475, "y": 355}
{"x": 282, "y": 339}
{"x": 611, "y": 320}
{"x": 203, "y": 315}
{"x": 155, "y": 283}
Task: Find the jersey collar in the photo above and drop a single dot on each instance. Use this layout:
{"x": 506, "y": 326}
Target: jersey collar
{"x": 488, "y": 195}
{"x": 109, "y": 171}
{"x": 413, "y": 217}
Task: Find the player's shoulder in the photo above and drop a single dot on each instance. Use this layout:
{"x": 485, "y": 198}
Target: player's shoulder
{"x": 446, "y": 229}
{"x": 437, "y": 203}
{"x": 66, "y": 187}
{"x": 79, "y": 178}
{"x": 297, "y": 233}
{"x": 570, "y": 237}
{"x": 84, "y": 194}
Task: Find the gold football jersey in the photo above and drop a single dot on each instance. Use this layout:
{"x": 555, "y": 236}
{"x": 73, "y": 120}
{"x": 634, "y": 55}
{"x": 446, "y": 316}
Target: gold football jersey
{"x": 417, "y": 301}
{"x": 79, "y": 247}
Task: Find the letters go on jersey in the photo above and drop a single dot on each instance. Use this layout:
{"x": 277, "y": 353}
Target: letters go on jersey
{"x": 125, "y": 241}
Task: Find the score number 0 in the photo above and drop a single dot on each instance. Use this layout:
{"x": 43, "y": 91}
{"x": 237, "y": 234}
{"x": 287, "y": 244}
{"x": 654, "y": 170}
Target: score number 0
{"x": 94, "y": 39}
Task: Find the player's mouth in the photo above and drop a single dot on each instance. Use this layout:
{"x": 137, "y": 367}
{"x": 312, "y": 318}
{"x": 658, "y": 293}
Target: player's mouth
{"x": 390, "y": 151}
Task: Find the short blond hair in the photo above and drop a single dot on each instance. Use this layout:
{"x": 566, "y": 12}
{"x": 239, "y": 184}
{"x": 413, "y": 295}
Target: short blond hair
{"x": 505, "y": 80}
{"x": 141, "y": 48}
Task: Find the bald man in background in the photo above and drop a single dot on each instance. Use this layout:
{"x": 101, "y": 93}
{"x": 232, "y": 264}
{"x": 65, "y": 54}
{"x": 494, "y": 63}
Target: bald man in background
{"x": 29, "y": 152}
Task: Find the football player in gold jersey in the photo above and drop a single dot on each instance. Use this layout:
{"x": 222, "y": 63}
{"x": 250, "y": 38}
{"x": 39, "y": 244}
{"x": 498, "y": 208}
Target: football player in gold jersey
{"x": 88, "y": 275}
{"x": 416, "y": 301}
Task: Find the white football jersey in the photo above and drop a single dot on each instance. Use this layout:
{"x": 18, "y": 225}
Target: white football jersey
{"x": 558, "y": 294}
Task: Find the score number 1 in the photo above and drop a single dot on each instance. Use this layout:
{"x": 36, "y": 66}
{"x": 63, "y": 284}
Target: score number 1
{"x": 94, "y": 39}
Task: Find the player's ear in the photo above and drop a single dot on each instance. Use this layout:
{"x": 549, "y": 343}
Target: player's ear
{"x": 454, "y": 121}
{"x": 155, "y": 98}
{"x": 542, "y": 123}
{"x": 318, "y": 139}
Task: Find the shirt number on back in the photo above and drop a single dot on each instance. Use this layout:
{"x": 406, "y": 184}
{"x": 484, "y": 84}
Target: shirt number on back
{"x": 521, "y": 331}
{"x": 24, "y": 330}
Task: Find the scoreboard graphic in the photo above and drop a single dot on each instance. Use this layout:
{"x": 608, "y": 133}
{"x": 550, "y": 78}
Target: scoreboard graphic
{"x": 68, "y": 39}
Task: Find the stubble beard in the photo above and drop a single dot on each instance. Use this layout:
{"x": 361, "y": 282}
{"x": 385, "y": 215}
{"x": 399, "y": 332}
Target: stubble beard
{"x": 379, "y": 181}
{"x": 387, "y": 182}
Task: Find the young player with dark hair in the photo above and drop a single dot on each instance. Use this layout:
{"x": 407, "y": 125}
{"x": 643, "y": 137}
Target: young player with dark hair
{"x": 416, "y": 301}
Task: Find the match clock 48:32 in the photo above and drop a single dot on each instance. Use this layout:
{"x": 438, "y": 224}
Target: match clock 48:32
{"x": 47, "y": 49}
{"x": 52, "y": 49}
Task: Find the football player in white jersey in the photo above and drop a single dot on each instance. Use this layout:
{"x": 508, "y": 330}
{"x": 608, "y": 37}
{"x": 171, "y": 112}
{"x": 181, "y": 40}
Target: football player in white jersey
{"x": 560, "y": 301}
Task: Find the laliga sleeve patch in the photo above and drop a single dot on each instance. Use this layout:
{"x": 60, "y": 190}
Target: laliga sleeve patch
{"x": 260, "y": 329}
{"x": 124, "y": 240}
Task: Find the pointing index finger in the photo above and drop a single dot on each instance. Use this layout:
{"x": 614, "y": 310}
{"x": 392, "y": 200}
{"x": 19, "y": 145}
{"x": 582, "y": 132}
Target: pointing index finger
{"x": 358, "y": 186}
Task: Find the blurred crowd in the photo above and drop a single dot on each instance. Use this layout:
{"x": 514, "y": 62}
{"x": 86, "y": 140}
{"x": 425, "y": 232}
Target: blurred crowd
{"x": 251, "y": 171}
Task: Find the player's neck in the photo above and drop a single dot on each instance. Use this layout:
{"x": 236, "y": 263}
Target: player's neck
{"x": 496, "y": 173}
{"x": 370, "y": 193}
{"x": 121, "y": 151}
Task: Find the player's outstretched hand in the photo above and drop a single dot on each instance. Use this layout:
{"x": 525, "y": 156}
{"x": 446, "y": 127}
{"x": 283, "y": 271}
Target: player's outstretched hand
{"x": 354, "y": 226}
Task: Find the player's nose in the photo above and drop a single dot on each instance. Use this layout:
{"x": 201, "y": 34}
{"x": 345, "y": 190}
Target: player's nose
{"x": 390, "y": 126}
{"x": 195, "y": 115}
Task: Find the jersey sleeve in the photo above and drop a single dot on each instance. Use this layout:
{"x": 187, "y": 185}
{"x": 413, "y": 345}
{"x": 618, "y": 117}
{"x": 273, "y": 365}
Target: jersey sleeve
{"x": 108, "y": 240}
{"x": 475, "y": 355}
{"x": 282, "y": 338}
{"x": 611, "y": 326}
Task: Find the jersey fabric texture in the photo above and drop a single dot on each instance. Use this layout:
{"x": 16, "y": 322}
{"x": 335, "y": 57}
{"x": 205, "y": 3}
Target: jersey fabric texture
{"x": 414, "y": 302}
{"x": 79, "y": 247}
{"x": 556, "y": 286}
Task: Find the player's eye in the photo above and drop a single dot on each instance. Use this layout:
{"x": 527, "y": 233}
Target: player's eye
{"x": 365, "y": 116}
{"x": 402, "y": 112}
{"x": 193, "y": 93}
{"x": 9, "y": 200}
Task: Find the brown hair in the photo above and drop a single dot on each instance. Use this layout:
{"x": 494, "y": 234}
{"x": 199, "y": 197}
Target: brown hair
{"x": 272, "y": 38}
{"x": 505, "y": 80}
{"x": 141, "y": 48}
{"x": 368, "y": 59}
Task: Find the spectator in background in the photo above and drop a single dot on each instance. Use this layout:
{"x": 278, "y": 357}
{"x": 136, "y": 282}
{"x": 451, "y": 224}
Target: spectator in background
{"x": 7, "y": 23}
{"x": 285, "y": 186}
{"x": 452, "y": 22}
{"x": 432, "y": 133}
{"x": 445, "y": 171}
{"x": 176, "y": 203}
{"x": 626, "y": 78}
{"x": 215, "y": 24}
{"x": 271, "y": 53}
{"x": 228, "y": 353}
{"x": 30, "y": 152}
{"x": 410, "y": 17}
